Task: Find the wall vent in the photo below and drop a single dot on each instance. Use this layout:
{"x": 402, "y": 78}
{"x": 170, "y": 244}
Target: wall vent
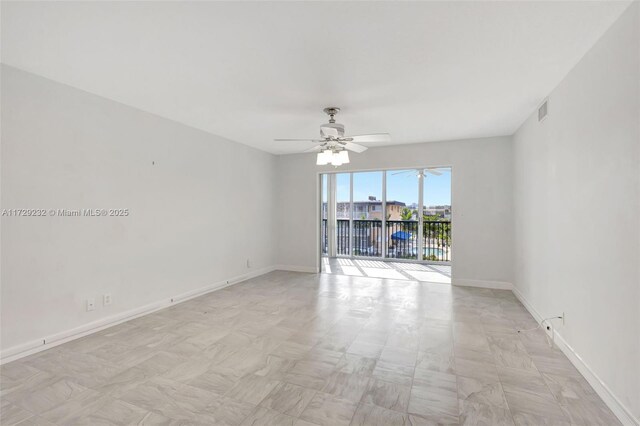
{"x": 543, "y": 111}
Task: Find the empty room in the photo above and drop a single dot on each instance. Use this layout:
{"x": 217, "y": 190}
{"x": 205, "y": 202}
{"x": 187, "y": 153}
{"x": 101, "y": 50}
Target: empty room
{"x": 299, "y": 213}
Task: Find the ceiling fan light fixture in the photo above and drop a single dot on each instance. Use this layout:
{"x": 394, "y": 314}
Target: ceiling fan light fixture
{"x": 336, "y": 159}
{"x": 330, "y": 156}
{"x": 323, "y": 158}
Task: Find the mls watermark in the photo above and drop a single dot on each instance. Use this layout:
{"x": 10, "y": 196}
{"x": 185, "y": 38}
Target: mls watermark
{"x": 65, "y": 212}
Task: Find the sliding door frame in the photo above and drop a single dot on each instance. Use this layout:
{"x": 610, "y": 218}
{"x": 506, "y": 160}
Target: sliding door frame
{"x": 383, "y": 237}
{"x": 420, "y": 253}
{"x": 351, "y": 212}
{"x": 331, "y": 215}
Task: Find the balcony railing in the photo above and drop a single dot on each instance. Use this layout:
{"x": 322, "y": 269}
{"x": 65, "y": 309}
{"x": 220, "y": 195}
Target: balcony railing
{"x": 436, "y": 241}
{"x": 367, "y": 238}
{"x": 401, "y": 239}
{"x": 324, "y": 235}
{"x": 342, "y": 237}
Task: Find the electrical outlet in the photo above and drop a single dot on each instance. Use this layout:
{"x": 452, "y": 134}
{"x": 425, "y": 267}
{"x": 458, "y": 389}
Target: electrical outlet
{"x": 91, "y": 304}
{"x": 563, "y": 318}
{"x": 248, "y": 264}
{"x": 106, "y": 299}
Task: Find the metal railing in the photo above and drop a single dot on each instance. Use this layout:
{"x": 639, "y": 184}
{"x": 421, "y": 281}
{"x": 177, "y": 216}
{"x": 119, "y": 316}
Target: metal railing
{"x": 436, "y": 241}
{"x": 367, "y": 237}
{"x": 401, "y": 240}
{"x": 342, "y": 237}
{"x": 324, "y": 235}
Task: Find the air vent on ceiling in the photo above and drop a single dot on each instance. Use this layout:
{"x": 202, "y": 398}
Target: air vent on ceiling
{"x": 543, "y": 111}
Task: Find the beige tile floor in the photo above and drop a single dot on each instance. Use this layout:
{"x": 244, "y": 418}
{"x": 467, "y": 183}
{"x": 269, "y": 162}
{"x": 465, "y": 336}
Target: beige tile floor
{"x": 302, "y": 349}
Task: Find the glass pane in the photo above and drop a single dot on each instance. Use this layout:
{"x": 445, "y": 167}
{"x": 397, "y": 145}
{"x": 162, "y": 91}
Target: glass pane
{"x": 367, "y": 214}
{"x": 343, "y": 211}
{"x": 324, "y": 236}
{"x": 402, "y": 214}
{"x": 437, "y": 214}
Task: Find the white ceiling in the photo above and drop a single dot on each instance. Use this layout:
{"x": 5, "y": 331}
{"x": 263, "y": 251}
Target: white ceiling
{"x": 252, "y": 72}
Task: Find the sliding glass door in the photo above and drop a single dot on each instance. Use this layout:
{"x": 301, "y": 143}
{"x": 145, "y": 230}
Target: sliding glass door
{"x": 436, "y": 216}
{"x": 395, "y": 214}
{"x": 343, "y": 213}
{"x": 402, "y": 214}
{"x": 324, "y": 218}
{"x": 367, "y": 214}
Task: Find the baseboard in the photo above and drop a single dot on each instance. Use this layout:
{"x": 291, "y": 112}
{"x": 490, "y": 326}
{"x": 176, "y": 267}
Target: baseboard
{"x": 47, "y": 342}
{"x": 296, "y": 268}
{"x": 496, "y": 285}
{"x": 615, "y": 405}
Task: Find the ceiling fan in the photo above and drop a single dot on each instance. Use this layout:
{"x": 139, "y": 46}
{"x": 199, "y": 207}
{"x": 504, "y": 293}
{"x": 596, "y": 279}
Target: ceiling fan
{"x": 333, "y": 145}
{"x": 420, "y": 172}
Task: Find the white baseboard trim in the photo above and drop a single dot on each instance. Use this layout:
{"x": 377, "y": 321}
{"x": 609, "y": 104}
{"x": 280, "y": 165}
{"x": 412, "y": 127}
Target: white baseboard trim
{"x": 47, "y": 342}
{"x": 615, "y": 405}
{"x": 296, "y": 268}
{"x": 496, "y": 285}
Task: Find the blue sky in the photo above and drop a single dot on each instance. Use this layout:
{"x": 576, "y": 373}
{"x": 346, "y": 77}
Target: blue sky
{"x": 400, "y": 186}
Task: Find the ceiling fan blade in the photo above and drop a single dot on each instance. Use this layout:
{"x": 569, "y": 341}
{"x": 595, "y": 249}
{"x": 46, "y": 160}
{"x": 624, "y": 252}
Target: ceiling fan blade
{"x": 316, "y": 148}
{"x": 433, "y": 171}
{"x": 354, "y": 147}
{"x": 400, "y": 173}
{"x": 373, "y": 138}
{"x": 298, "y": 140}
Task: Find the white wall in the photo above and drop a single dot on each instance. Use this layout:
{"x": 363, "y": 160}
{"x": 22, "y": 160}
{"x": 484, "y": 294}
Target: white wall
{"x": 196, "y": 215}
{"x": 577, "y": 203}
{"x": 481, "y": 199}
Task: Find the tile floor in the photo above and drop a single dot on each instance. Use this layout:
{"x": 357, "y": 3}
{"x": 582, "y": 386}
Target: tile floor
{"x": 302, "y": 349}
{"x": 387, "y": 269}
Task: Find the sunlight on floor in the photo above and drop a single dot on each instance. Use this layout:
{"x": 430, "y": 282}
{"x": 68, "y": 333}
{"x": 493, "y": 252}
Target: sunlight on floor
{"x": 326, "y": 265}
{"x": 387, "y": 269}
{"x": 410, "y": 266}
{"x": 383, "y": 273}
{"x": 430, "y": 276}
{"x": 372, "y": 264}
{"x": 351, "y": 270}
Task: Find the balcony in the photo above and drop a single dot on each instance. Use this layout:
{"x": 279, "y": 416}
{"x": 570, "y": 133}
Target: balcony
{"x": 401, "y": 242}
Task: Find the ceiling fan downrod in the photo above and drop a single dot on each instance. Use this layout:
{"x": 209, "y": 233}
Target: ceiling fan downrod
{"x": 332, "y": 111}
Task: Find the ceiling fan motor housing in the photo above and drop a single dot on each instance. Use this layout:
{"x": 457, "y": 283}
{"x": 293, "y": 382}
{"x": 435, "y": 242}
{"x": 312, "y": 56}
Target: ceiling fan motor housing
{"x": 332, "y": 130}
